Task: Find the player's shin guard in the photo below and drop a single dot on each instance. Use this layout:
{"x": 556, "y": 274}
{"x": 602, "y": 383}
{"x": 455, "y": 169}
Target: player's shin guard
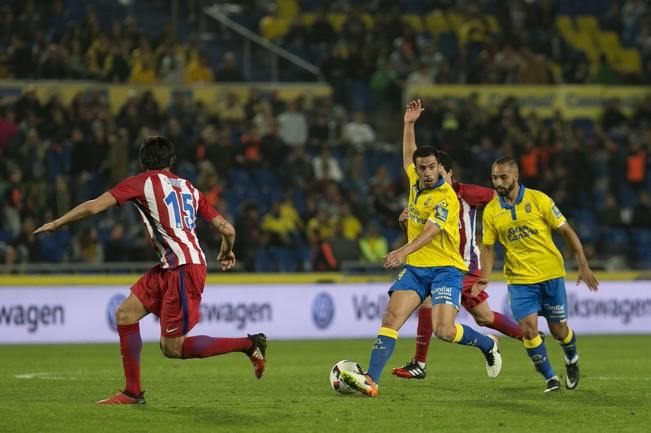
{"x": 424, "y": 334}
{"x": 569, "y": 346}
{"x": 382, "y": 350}
{"x": 130, "y": 348}
{"x": 538, "y": 354}
{"x": 506, "y": 326}
{"x": 469, "y": 337}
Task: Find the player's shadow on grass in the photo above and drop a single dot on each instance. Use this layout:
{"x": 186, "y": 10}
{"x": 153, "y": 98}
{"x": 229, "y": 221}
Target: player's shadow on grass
{"x": 208, "y": 415}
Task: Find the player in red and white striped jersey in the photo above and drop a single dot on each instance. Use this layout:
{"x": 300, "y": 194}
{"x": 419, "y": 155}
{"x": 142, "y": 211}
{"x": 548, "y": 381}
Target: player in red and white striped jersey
{"x": 169, "y": 206}
{"x": 471, "y": 197}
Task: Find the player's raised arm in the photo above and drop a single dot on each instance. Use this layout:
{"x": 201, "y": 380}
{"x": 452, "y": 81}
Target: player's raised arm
{"x": 585, "y": 273}
{"x": 412, "y": 113}
{"x": 226, "y": 256}
{"x": 82, "y": 211}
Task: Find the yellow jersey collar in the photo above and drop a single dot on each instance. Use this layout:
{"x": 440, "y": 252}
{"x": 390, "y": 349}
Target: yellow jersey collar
{"x": 518, "y": 200}
{"x": 440, "y": 182}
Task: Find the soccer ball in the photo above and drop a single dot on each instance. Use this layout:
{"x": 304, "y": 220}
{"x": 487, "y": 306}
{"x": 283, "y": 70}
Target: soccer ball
{"x": 337, "y": 384}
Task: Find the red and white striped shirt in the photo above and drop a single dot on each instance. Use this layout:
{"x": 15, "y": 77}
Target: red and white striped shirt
{"x": 168, "y": 206}
{"x": 470, "y": 197}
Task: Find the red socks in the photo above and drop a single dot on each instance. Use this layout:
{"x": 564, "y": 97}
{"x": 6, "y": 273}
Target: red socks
{"x": 506, "y": 326}
{"x": 130, "y": 348}
{"x": 423, "y": 334}
{"x": 202, "y": 346}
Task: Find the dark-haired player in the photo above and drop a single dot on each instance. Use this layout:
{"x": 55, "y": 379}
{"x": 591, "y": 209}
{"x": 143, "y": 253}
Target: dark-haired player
{"x": 433, "y": 267}
{"x": 169, "y": 206}
{"x": 470, "y": 197}
{"x": 522, "y": 219}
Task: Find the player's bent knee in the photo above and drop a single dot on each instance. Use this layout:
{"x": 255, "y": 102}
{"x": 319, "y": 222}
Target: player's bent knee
{"x": 390, "y": 320}
{"x": 529, "y": 333}
{"x": 122, "y": 316}
{"x": 482, "y": 321}
{"x": 171, "y": 349}
{"x": 445, "y": 332}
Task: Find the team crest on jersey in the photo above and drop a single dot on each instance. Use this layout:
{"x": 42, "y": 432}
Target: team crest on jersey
{"x": 427, "y": 202}
{"x": 527, "y": 208}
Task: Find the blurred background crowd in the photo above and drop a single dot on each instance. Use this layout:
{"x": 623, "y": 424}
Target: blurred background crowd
{"x": 315, "y": 183}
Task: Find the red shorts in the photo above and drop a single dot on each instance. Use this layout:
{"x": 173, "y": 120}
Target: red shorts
{"x": 468, "y": 300}
{"x": 174, "y": 295}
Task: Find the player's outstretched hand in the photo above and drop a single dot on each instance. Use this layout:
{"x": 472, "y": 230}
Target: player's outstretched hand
{"x": 479, "y": 286}
{"x": 47, "y": 227}
{"x": 394, "y": 259}
{"x": 412, "y": 111}
{"x": 586, "y": 275}
{"x": 226, "y": 260}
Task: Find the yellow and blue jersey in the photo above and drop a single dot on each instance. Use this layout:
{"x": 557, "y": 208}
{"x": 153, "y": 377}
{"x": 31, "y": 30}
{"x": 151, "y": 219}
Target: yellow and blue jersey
{"x": 525, "y": 230}
{"x": 439, "y": 205}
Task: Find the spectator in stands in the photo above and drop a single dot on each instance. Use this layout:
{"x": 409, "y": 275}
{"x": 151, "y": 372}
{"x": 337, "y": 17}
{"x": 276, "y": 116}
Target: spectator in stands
{"x": 605, "y": 74}
{"x": 344, "y": 248}
{"x": 142, "y": 71}
{"x": 86, "y": 246}
{"x": 299, "y": 169}
{"x": 421, "y": 76}
{"x": 373, "y": 245}
{"x": 293, "y": 126}
{"x": 610, "y": 213}
{"x": 642, "y": 210}
{"x": 251, "y": 238}
{"x": 533, "y": 68}
{"x": 321, "y": 31}
{"x": 198, "y": 70}
{"x": 351, "y": 226}
{"x": 27, "y": 246}
{"x": 116, "y": 248}
{"x": 359, "y": 134}
{"x": 326, "y": 167}
{"x": 229, "y": 70}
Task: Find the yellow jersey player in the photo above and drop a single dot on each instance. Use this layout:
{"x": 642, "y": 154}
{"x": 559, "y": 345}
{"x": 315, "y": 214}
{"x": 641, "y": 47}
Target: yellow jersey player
{"x": 522, "y": 220}
{"x": 434, "y": 267}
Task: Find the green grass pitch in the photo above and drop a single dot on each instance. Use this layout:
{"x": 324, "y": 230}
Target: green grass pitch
{"x": 53, "y": 389}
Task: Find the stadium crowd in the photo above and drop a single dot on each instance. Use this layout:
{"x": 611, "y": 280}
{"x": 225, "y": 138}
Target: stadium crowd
{"x": 383, "y": 43}
{"x": 312, "y": 184}
{"x": 308, "y": 184}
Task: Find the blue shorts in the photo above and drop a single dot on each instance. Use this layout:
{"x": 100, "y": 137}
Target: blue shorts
{"x": 442, "y": 283}
{"x": 547, "y": 298}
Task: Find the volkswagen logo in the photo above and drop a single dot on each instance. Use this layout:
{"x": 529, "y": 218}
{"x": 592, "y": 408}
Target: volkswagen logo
{"x": 113, "y": 305}
{"x": 323, "y": 310}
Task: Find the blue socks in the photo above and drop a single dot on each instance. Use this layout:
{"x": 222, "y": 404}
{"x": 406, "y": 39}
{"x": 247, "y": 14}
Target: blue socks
{"x": 382, "y": 350}
{"x": 469, "y": 337}
{"x": 538, "y": 354}
{"x": 569, "y": 346}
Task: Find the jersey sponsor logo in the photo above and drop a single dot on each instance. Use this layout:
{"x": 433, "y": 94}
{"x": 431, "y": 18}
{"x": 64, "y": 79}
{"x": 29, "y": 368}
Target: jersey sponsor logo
{"x": 323, "y": 310}
{"x": 31, "y": 316}
{"x": 112, "y": 306}
{"x": 414, "y": 217}
{"x": 520, "y": 232}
